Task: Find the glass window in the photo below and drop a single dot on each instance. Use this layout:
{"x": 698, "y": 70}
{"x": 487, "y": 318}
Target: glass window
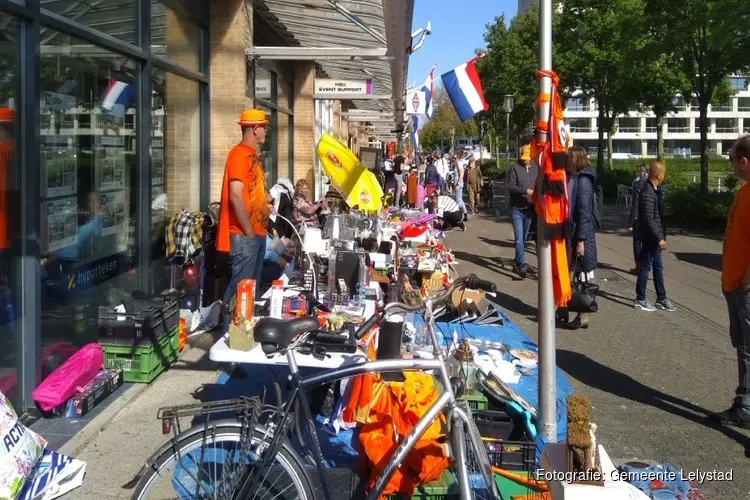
{"x": 174, "y": 36}
{"x": 738, "y": 83}
{"x": 629, "y": 124}
{"x": 9, "y": 335}
{"x": 726, "y": 126}
{"x": 113, "y": 17}
{"x": 650, "y": 124}
{"x": 88, "y": 191}
{"x": 175, "y": 160}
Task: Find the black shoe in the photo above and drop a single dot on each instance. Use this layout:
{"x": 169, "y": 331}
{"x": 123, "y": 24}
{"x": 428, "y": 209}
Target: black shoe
{"x": 520, "y": 270}
{"x": 734, "y": 416}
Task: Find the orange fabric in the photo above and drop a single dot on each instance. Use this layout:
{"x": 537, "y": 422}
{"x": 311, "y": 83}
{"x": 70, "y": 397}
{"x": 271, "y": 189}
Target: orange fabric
{"x": 736, "y": 258}
{"x": 6, "y": 155}
{"x": 551, "y": 198}
{"x": 393, "y": 412}
{"x": 242, "y": 164}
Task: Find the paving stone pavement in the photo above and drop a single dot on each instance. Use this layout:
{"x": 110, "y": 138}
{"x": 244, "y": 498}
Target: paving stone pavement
{"x": 651, "y": 377}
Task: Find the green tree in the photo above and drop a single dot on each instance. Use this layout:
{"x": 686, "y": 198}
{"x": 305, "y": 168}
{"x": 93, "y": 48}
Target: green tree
{"x": 593, "y": 40}
{"x": 711, "y": 38}
{"x": 444, "y": 121}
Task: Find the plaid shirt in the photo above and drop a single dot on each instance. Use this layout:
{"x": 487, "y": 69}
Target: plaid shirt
{"x": 184, "y": 236}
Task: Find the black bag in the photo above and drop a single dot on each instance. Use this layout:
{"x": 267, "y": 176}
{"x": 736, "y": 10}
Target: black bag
{"x": 584, "y": 296}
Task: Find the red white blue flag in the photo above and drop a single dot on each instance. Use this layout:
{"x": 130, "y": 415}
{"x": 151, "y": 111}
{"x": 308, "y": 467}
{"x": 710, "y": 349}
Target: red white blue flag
{"x": 465, "y": 90}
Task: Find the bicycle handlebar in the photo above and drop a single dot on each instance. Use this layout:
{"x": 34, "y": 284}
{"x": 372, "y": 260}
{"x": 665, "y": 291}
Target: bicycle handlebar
{"x": 470, "y": 281}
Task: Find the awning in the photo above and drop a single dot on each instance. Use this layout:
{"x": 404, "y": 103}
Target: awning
{"x": 348, "y": 40}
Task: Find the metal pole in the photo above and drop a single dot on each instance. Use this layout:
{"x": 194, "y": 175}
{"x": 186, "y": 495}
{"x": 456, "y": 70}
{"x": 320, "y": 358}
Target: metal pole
{"x": 547, "y": 422}
{"x": 507, "y": 160}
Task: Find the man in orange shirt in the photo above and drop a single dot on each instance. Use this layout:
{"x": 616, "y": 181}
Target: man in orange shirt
{"x": 735, "y": 281}
{"x": 244, "y": 213}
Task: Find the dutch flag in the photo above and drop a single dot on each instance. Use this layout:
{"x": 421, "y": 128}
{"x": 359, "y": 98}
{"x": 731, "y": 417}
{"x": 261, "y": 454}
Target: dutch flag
{"x": 465, "y": 90}
{"x": 427, "y": 89}
{"x": 118, "y": 93}
{"x": 416, "y": 129}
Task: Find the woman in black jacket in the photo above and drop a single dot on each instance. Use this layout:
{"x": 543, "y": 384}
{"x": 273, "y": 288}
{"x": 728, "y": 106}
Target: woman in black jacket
{"x": 582, "y": 234}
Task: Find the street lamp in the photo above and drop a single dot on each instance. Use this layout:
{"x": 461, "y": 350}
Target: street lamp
{"x": 507, "y": 109}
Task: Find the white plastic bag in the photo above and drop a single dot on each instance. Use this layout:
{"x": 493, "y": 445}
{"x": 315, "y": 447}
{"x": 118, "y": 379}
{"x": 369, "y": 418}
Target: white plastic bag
{"x": 20, "y": 450}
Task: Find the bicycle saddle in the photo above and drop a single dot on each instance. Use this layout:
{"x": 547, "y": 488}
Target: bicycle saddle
{"x": 274, "y": 334}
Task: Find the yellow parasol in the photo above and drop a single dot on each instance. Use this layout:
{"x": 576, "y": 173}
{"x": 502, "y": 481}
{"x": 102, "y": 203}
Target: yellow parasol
{"x": 358, "y": 186}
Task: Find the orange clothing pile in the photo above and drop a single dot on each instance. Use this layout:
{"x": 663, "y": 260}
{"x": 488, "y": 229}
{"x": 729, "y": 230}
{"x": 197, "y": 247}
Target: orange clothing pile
{"x": 737, "y": 241}
{"x": 243, "y": 165}
{"x": 388, "y": 413}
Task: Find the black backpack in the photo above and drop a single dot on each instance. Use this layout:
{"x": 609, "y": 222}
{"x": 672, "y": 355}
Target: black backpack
{"x": 598, "y": 209}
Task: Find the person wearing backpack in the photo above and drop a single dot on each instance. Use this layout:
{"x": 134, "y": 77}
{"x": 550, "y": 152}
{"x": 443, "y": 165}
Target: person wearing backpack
{"x": 581, "y": 243}
{"x": 637, "y": 187}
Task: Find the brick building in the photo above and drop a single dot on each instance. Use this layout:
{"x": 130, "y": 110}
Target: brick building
{"x": 117, "y": 114}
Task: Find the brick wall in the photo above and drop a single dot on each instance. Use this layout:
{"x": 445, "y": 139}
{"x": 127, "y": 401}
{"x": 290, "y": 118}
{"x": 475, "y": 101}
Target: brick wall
{"x": 181, "y": 120}
{"x": 230, "y": 33}
{"x": 304, "y": 123}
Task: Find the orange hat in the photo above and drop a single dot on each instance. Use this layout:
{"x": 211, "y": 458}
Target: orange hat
{"x": 252, "y": 117}
{"x": 7, "y": 115}
{"x": 526, "y": 153}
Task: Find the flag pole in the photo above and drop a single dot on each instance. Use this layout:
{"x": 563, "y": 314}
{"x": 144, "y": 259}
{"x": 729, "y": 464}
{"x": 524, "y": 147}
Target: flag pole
{"x": 547, "y": 422}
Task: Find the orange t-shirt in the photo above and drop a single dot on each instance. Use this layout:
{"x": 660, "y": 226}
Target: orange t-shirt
{"x": 6, "y": 154}
{"x": 243, "y": 165}
{"x": 737, "y": 241}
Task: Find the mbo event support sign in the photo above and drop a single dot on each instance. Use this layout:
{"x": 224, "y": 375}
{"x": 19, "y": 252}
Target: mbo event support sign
{"x": 327, "y": 87}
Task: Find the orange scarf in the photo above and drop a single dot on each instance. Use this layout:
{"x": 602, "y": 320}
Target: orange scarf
{"x": 551, "y": 155}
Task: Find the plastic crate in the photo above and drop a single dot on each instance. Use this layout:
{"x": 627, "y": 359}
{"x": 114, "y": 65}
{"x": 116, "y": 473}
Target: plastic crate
{"x": 142, "y": 363}
{"x": 493, "y": 424}
{"x": 149, "y": 318}
{"x": 476, "y": 400}
{"x": 444, "y": 488}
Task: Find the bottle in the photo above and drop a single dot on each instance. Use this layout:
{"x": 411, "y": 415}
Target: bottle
{"x": 277, "y": 299}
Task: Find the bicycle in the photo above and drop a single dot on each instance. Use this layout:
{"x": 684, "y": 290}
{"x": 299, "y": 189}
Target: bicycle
{"x": 261, "y": 431}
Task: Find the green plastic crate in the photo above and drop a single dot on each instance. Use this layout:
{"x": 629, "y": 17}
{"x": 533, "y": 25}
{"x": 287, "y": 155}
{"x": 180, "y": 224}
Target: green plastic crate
{"x": 476, "y": 400}
{"x": 145, "y": 362}
{"x": 444, "y": 488}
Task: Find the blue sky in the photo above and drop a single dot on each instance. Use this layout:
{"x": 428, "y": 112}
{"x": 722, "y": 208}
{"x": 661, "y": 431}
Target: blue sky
{"x": 457, "y": 29}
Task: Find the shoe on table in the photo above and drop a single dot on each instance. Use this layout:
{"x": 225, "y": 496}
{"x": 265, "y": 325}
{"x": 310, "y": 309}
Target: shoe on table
{"x": 665, "y": 305}
{"x": 734, "y": 416}
{"x": 643, "y": 305}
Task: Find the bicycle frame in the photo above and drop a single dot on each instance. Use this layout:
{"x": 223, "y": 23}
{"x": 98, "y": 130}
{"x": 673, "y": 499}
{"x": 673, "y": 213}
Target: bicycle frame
{"x": 446, "y": 402}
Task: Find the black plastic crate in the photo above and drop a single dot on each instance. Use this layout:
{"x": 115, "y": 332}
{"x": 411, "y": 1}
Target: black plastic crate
{"x": 148, "y": 318}
{"x": 509, "y": 446}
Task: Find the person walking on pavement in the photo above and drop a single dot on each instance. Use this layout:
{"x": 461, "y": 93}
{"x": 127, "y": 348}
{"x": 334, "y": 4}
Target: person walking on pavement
{"x": 398, "y": 172}
{"x": 735, "y": 282}
{"x": 636, "y": 188}
{"x": 474, "y": 181}
{"x": 244, "y": 210}
{"x": 521, "y": 181}
{"x": 431, "y": 177}
{"x": 653, "y": 234}
{"x": 460, "y": 186}
{"x": 581, "y": 244}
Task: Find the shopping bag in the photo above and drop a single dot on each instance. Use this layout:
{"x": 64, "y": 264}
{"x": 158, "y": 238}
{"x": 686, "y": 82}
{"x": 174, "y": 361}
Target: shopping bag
{"x": 584, "y": 296}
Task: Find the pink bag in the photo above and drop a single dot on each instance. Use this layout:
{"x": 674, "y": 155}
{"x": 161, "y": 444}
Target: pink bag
{"x": 420, "y": 196}
{"x": 64, "y": 382}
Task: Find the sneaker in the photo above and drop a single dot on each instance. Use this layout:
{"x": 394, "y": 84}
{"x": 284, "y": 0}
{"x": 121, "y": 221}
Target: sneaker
{"x": 734, "y": 416}
{"x": 520, "y": 270}
{"x": 643, "y": 305}
{"x": 665, "y": 305}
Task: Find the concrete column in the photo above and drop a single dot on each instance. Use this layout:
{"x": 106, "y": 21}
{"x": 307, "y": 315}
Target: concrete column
{"x": 230, "y": 33}
{"x": 644, "y": 149}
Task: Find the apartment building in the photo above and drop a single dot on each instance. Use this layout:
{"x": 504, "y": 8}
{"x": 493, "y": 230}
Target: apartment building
{"x": 636, "y": 131}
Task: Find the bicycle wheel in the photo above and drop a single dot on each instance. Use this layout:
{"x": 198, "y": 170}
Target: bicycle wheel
{"x": 208, "y": 464}
{"x": 473, "y": 470}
